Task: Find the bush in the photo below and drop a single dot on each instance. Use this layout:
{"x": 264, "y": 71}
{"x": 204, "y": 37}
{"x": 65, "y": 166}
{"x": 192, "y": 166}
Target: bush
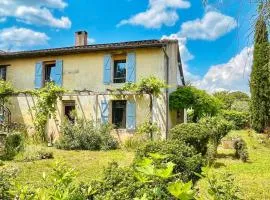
{"x": 218, "y": 127}
{"x": 6, "y": 179}
{"x": 241, "y": 151}
{"x": 85, "y": 135}
{"x": 145, "y": 180}
{"x": 196, "y": 135}
{"x": 14, "y": 143}
{"x": 149, "y": 131}
{"x": 240, "y": 119}
{"x": 186, "y": 159}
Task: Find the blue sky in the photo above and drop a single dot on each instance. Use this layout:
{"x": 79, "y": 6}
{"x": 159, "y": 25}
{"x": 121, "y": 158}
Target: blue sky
{"x": 215, "y": 40}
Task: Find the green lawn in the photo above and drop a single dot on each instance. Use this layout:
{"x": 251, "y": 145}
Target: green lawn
{"x": 88, "y": 164}
{"x": 252, "y": 177}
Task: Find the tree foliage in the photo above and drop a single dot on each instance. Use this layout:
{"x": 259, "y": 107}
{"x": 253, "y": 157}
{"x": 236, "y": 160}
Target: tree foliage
{"x": 260, "y": 81}
{"x": 202, "y": 103}
{"x": 229, "y": 99}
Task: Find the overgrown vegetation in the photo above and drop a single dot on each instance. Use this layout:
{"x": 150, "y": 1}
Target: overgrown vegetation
{"x": 86, "y": 135}
{"x": 45, "y": 107}
{"x": 14, "y": 143}
{"x": 233, "y": 100}
{"x": 201, "y": 103}
{"x": 240, "y": 120}
{"x": 151, "y": 86}
{"x": 6, "y": 90}
{"x": 144, "y": 132}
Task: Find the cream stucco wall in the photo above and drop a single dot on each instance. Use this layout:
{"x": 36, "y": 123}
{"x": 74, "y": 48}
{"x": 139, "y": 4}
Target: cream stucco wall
{"x": 85, "y": 71}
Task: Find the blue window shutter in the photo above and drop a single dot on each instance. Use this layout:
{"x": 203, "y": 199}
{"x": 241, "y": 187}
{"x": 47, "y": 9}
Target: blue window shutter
{"x": 131, "y": 115}
{"x": 107, "y": 69}
{"x": 131, "y": 67}
{"x": 57, "y": 73}
{"x": 104, "y": 111}
{"x": 38, "y": 75}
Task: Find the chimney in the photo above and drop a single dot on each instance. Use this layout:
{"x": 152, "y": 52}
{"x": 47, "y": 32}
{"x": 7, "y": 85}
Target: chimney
{"x": 80, "y": 38}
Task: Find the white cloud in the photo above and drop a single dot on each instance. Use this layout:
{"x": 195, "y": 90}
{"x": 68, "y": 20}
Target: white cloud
{"x": 159, "y": 13}
{"x": 15, "y": 38}
{"x": 91, "y": 40}
{"x": 212, "y": 26}
{"x": 233, "y": 75}
{"x": 35, "y": 12}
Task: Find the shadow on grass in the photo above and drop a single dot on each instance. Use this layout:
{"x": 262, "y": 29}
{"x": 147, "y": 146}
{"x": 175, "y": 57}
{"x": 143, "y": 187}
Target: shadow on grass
{"x": 226, "y": 155}
{"x": 219, "y": 165}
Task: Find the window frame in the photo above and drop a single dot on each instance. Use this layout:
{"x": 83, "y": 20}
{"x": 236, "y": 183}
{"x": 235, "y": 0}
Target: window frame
{"x": 124, "y": 122}
{"x": 5, "y": 69}
{"x": 68, "y": 103}
{"x": 45, "y": 65}
{"x": 114, "y": 73}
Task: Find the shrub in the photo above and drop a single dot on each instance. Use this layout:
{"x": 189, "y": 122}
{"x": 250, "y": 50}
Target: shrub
{"x": 108, "y": 142}
{"x": 240, "y": 119}
{"x": 148, "y": 130}
{"x": 186, "y": 159}
{"x": 7, "y": 177}
{"x": 14, "y": 143}
{"x": 193, "y": 134}
{"x": 85, "y": 135}
{"x": 218, "y": 127}
{"x": 145, "y": 180}
{"x": 241, "y": 151}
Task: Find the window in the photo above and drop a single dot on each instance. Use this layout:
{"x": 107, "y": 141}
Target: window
{"x": 69, "y": 108}
{"x": 48, "y": 70}
{"x": 119, "y": 113}
{"x": 119, "y": 71}
{"x": 3, "y": 72}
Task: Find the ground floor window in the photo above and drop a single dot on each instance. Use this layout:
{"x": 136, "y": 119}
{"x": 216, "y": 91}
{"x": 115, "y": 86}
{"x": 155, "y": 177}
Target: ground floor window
{"x": 69, "y": 109}
{"x": 119, "y": 113}
{"x": 3, "y": 72}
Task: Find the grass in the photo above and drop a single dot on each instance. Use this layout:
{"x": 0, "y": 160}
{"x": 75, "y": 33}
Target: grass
{"x": 252, "y": 177}
{"x": 88, "y": 164}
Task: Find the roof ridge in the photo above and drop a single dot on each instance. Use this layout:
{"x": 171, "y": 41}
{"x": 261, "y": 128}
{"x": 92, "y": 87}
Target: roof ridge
{"x": 87, "y": 48}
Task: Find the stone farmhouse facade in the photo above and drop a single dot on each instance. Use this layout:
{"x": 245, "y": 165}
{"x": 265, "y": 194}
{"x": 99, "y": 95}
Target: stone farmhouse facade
{"x": 89, "y": 73}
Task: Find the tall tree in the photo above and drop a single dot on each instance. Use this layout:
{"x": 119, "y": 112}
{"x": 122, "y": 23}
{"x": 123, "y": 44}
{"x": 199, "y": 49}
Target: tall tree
{"x": 260, "y": 78}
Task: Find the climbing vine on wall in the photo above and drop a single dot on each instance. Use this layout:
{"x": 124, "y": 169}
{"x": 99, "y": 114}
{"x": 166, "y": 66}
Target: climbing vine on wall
{"x": 45, "y": 107}
{"x": 6, "y": 90}
{"x": 149, "y": 85}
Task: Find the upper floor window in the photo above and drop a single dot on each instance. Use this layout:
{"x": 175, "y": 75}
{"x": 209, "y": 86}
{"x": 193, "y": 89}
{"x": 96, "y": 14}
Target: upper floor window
{"x": 3, "y": 72}
{"x": 48, "y": 67}
{"x": 119, "y": 72}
